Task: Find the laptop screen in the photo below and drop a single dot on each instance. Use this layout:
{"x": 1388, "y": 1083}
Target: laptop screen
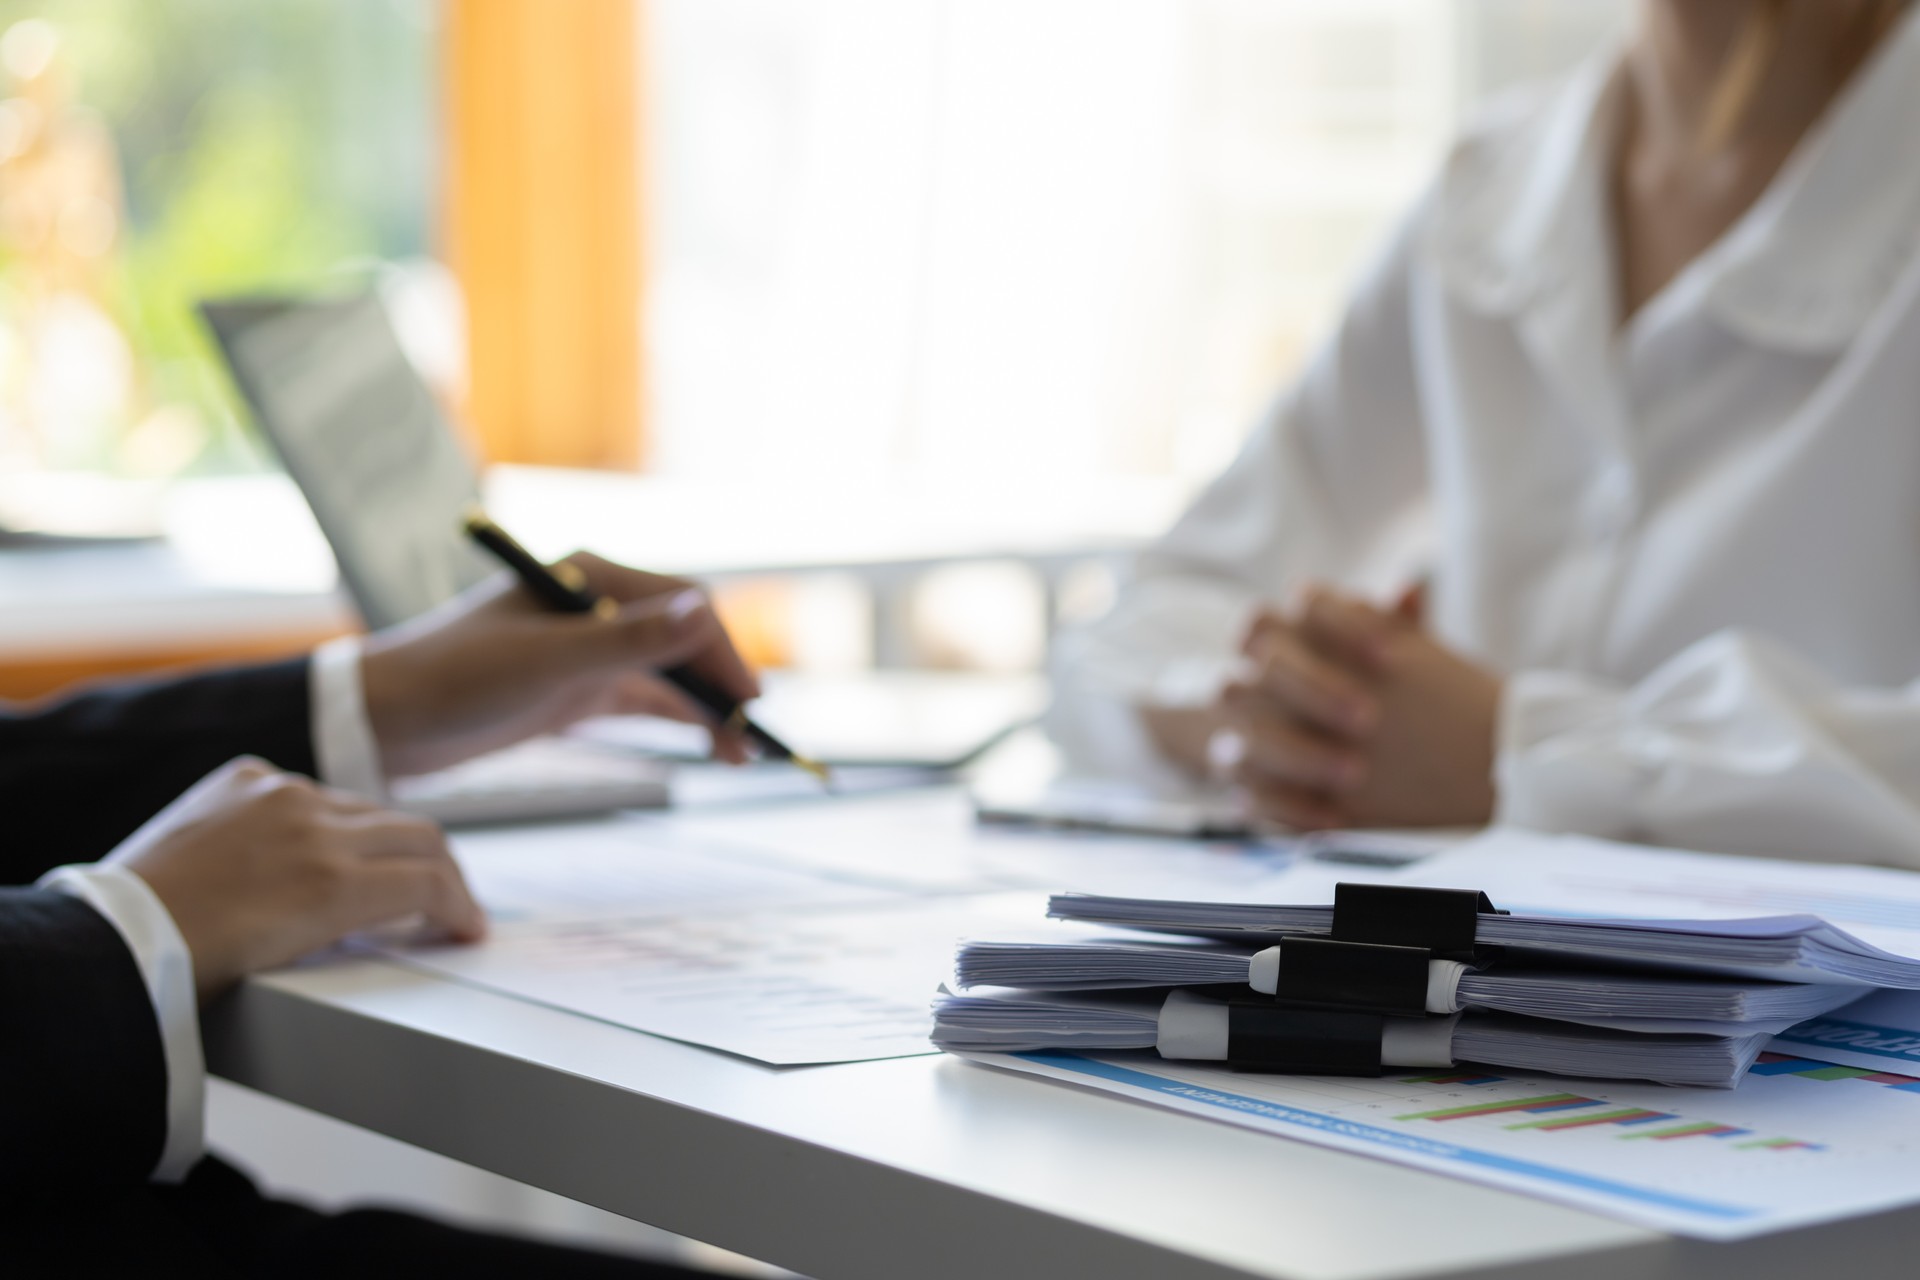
{"x": 360, "y": 433}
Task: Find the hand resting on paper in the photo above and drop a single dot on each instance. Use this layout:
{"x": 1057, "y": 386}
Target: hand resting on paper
{"x": 258, "y": 867}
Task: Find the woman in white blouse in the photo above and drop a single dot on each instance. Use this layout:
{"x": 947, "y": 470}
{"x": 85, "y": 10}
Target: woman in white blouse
{"x": 1638, "y": 381}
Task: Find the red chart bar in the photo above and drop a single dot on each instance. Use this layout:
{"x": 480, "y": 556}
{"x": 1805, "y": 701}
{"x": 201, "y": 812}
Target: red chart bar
{"x": 1612, "y": 1117}
{"x": 1709, "y": 1131}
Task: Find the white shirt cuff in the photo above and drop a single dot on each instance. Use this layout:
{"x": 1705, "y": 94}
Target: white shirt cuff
{"x": 167, "y": 968}
{"x": 343, "y": 743}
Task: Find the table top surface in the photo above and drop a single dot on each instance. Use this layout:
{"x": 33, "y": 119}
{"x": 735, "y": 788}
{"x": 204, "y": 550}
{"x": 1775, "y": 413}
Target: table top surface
{"x": 1236, "y": 1201}
{"x": 928, "y": 1165}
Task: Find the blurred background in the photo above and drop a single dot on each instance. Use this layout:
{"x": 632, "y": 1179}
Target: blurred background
{"x": 926, "y": 307}
{"x": 899, "y": 321}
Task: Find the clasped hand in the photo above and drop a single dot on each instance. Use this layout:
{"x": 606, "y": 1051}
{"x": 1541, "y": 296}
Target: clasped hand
{"x": 1351, "y": 715}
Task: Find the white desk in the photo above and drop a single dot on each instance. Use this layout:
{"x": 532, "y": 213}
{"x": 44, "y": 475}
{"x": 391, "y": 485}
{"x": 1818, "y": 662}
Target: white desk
{"x": 928, "y": 1166}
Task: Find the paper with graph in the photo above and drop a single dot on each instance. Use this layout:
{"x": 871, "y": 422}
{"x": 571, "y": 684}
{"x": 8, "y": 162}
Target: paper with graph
{"x": 1798, "y": 1142}
{"x": 790, "y": 986}
{"x": 1826, "y": 1124}
{"x": 635, "y": 922}
{"x": 1877, "y": 1037}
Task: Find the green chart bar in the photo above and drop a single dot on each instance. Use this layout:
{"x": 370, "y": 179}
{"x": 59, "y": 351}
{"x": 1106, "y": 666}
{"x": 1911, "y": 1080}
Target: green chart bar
{"x": 1494, "y": 1108}
{"x": 1598, "y": 1117}
{"x": 1701, "y": 1129}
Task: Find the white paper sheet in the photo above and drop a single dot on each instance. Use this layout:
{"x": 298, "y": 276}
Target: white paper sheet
{"x": 627, "y": 868}
{"x": 1782, "y": 1150}
{"x": 929, "y": 842}
{"x": 790, "y": 934}
{"x": 1571, "y": 875}
{"x": 632, "y": 922}
{"x": 790, "y": 986}
{"x": 1879, "y": 1035}
{"x": 652, "y": 926}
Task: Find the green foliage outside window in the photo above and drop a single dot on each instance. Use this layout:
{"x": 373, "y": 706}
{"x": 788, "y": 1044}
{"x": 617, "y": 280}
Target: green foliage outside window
{"x": 256, "y": 146}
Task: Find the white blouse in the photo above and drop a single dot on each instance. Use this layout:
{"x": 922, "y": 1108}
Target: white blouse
{"x": 1692, "y": 543}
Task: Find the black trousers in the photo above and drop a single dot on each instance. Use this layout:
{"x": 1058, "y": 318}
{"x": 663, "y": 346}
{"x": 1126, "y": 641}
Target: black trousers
{"x": 217, "y": 1224}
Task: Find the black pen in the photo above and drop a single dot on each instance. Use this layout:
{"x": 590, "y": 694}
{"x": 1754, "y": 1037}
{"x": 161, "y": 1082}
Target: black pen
{"x": 564, "y": 589}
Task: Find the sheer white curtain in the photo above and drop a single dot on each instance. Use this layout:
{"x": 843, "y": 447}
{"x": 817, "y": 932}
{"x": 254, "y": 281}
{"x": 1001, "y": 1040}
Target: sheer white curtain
{"x": 953, "y": 237}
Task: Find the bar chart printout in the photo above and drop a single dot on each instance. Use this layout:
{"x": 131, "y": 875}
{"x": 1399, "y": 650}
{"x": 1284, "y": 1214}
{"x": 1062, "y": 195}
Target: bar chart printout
{"x": 1558, "y": 1112}
{"x": 1785, "y": 1149}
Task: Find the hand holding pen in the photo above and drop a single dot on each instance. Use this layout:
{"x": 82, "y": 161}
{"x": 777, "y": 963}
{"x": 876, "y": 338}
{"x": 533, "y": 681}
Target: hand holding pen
{"x": 566, "y": 588}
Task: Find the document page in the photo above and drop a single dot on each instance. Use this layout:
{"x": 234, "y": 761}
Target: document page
{"x": 627, "y": 867}
{"x": 928, "y": 842}
{"x": 1574, "y": 876}
{"x": 1782, "y": 1150}
{"x": 788, "y": 986}
{"x": 639, "y": 923}
{"x": 1877, "y": 1038}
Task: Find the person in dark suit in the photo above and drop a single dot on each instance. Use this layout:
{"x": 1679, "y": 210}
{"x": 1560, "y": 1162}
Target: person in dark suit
{"x": 163, "y": 839}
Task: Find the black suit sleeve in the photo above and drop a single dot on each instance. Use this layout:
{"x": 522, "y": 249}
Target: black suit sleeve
{"x": 83, "y": 1075}
{"x": 79, "y": 775}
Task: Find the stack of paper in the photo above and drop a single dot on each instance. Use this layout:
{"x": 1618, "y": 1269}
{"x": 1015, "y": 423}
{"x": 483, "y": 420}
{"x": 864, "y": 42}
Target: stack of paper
{"x": 1684, "y": 1001}
{"x": 1786, "y": 948}
{"x": 999, "y": 1020}
{"x": 1819, "y": 1128}
{"x": 1623, "y": 999}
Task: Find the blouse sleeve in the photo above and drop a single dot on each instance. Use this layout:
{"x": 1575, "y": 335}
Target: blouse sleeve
{"x": 1735, "y": 745}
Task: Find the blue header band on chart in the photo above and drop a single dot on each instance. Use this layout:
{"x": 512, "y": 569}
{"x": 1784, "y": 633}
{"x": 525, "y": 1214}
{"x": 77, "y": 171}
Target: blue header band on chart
{"x": 1890, "y": 1043}
{"x": 1285, "y": 1114}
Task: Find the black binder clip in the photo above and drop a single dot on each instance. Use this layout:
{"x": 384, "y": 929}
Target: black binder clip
{"x": 1372, "y": 976}
{"x": 1443, "y": 922}
{"x": 1383, "y": 940}
{"x": 1278, "y": 1039}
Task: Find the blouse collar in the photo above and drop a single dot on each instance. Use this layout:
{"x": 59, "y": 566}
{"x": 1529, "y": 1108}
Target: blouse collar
{"x": 1521, "y": 208}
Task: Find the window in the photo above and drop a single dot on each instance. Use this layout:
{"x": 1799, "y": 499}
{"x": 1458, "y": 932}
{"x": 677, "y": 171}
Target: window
{"x": 988, "y": 258}
{"x": 1077, "y": 236}
{"x": 152, "y": 154}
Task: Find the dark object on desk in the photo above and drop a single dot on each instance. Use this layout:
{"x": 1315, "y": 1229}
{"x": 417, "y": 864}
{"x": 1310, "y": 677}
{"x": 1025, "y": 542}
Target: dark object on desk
{"x": 1122, "y": 809}
{"x": 12, "y": 539}
{"x": 570, "y": 594}
{"x": 1100, "y": 805}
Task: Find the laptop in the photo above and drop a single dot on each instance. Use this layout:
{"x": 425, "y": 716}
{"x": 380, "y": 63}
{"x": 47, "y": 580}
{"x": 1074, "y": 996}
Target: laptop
{"x": 388, "y": 479}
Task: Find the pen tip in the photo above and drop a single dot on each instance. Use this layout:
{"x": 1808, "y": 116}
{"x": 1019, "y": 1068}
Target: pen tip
{"x": 818, "y": 770}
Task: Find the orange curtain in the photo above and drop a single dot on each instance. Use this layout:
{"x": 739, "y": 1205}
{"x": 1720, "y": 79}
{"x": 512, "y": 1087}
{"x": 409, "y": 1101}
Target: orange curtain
{"x": 542, "y": 224}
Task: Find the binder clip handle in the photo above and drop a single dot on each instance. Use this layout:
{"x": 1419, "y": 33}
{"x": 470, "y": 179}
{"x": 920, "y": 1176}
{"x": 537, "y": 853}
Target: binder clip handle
{"x": 1328, "y": 973}
{"x": 1444, "y": 922}
{"x": 1275, "y": 1038}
